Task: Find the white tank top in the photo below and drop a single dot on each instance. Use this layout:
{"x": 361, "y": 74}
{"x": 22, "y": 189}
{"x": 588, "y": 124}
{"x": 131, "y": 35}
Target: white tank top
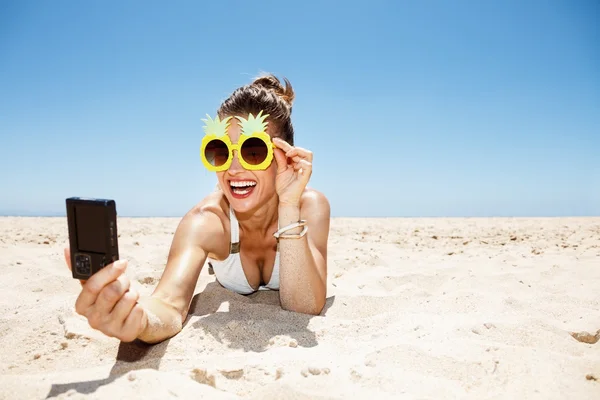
{"x": 230, "y": 273}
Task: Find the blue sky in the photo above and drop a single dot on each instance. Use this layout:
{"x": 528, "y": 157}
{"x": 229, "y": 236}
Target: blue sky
{"x": 412, "y": 108}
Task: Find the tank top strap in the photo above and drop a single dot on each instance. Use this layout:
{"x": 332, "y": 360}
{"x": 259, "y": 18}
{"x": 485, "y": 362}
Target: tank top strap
{"x": 235, "y": 232}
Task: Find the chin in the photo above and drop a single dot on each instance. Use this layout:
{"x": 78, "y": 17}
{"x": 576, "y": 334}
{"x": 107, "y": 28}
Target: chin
{"x": 243, "y": 196}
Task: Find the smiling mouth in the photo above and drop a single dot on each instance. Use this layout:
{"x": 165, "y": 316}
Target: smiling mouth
{"x": 242, "y": 188}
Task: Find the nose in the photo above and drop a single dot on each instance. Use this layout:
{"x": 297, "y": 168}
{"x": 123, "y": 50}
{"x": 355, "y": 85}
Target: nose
{"x": 235, "y": 166}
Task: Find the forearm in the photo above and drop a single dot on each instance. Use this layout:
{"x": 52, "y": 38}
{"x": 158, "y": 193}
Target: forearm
{"x": 300, "y": 285}
{"x": 163, "y": 320}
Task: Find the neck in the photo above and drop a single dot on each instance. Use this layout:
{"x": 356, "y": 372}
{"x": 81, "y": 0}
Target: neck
{"x": 260, "y": 221}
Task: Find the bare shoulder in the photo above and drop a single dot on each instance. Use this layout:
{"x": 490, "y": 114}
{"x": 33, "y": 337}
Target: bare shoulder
{"x": 315, "y": 204}
{"x": 315, "y": 209}
{"x": 214, "y": 203}
{"x": 205, "y": 225}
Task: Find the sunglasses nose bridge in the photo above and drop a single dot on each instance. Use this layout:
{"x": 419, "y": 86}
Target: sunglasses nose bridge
{"x": 235, "y": 161}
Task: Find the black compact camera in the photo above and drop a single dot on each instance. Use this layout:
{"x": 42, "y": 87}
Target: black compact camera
{"x": 93, "y": 235}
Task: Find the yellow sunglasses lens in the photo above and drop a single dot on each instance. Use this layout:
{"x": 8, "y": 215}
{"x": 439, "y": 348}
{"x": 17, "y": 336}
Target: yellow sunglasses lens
{"x": 216, "y": 152}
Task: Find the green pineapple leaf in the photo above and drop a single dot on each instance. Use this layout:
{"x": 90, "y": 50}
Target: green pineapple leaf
{"x": 216, "y": 127}
{"x": 253, "y": 124}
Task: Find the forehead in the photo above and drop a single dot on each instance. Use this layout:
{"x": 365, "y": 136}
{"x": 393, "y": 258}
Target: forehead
{"x": 234, "y": 131}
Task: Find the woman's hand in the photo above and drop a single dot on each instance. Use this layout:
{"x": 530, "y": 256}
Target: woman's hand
{"x": 291, "y": 178}
{"x": 109, "y": 304}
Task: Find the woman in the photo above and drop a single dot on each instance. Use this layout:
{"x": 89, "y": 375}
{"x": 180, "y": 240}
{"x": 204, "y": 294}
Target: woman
{"x": 261, "y": 229}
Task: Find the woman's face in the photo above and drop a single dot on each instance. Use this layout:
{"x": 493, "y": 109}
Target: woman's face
{"x": 246, "y": 189}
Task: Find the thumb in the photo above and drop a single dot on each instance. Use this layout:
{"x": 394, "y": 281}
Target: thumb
{"x": 281, "y": 160}
{"x": 67, "y": 253}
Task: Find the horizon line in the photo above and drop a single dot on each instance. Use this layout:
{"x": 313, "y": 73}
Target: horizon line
{"x": 64, "y": 215}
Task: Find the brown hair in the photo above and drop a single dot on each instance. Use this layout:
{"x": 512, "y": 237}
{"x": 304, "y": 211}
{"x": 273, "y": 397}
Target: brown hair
{"x": 265, "y": 93}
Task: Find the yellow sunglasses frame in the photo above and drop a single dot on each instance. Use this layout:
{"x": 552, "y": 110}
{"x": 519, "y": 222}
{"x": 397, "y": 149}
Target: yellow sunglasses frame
{"x": 231, "y": 147}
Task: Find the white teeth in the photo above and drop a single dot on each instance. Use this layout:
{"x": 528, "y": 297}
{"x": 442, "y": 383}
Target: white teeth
{"x": 242, "y": 188}
{"x": 242, "y": 183}
{"x": 241, "y": 191}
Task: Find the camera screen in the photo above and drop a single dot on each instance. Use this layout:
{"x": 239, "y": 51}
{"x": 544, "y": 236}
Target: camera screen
{"x": 91, "y": 229}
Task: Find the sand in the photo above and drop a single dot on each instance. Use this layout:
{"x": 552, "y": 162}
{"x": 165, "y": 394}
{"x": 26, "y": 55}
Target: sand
{"x": 497, "y": 308}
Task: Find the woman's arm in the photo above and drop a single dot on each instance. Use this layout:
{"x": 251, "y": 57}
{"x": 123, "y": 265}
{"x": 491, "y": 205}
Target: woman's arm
{"x": 303, "y": 262}
{"x": 198, "y": 232}
{"x": 162, "y": 323}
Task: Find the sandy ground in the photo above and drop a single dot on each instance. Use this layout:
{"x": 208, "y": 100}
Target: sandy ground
{"x": 417, "y": 308}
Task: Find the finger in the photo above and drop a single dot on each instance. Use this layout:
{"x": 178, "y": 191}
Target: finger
{"x": 293, "y": 155}
{"x": 304, "y": 169}
{"x": 111, "y": 294}
{"x": 281, "y": 160}
{"x": 282, "y": 144}
{"x": 96, "y": 283}
{"x": 123, "y": 308}
{"x": 133, "y": 323}
{"x": 67, "y": 254}
{"x": 298, "y": 152}
{"x": 303, "y": 164}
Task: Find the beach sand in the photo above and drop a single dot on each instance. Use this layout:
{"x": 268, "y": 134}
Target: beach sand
{"x": 423, "y": 308}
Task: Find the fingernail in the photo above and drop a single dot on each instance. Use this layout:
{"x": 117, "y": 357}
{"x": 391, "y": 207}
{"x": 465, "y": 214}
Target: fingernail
{"x": 120, "y": 264}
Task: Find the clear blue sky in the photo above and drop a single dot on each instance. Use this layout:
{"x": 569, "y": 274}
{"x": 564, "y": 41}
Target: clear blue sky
{"x": 412, "y": 108}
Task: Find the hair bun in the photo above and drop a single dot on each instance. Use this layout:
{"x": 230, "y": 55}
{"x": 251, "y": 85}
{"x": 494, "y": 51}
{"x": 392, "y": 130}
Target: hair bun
{"x": 271, "y": 82}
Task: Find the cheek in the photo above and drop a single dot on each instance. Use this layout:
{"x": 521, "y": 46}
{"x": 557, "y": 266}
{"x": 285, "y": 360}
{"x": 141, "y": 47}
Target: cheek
{"x": 267, "y": 177}
{"x": 272, "y": 171}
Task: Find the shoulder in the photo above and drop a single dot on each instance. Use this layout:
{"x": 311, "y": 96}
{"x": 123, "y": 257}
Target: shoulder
{"x": 213, "y": 204}
{"x": 207, "y": 223}
{"x": 315, "y": 202}
{"x": 315, "y": 209}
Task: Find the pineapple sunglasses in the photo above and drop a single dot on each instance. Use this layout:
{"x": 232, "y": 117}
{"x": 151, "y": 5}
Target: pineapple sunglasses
{"x": 254, "y": 148}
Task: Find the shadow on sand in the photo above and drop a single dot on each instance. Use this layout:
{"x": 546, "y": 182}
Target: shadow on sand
{"x": 130, "y": 356}
{"x": 250, "y": 323}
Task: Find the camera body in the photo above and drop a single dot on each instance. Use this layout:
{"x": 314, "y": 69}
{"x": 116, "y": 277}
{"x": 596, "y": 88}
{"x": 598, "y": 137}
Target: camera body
{"x": 93, "y": 237}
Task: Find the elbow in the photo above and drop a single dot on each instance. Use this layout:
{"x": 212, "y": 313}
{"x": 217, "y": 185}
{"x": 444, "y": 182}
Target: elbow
{"x": 314, "y": 311}
{"x": 309, "y": 309}
{"x": 317, "y": 309}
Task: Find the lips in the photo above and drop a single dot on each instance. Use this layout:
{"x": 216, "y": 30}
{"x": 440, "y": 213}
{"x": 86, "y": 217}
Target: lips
{"x": 242, "y": 188}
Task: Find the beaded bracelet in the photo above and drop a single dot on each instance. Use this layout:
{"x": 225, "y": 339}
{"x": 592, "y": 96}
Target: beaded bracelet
{"x": 279, "y": 234}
